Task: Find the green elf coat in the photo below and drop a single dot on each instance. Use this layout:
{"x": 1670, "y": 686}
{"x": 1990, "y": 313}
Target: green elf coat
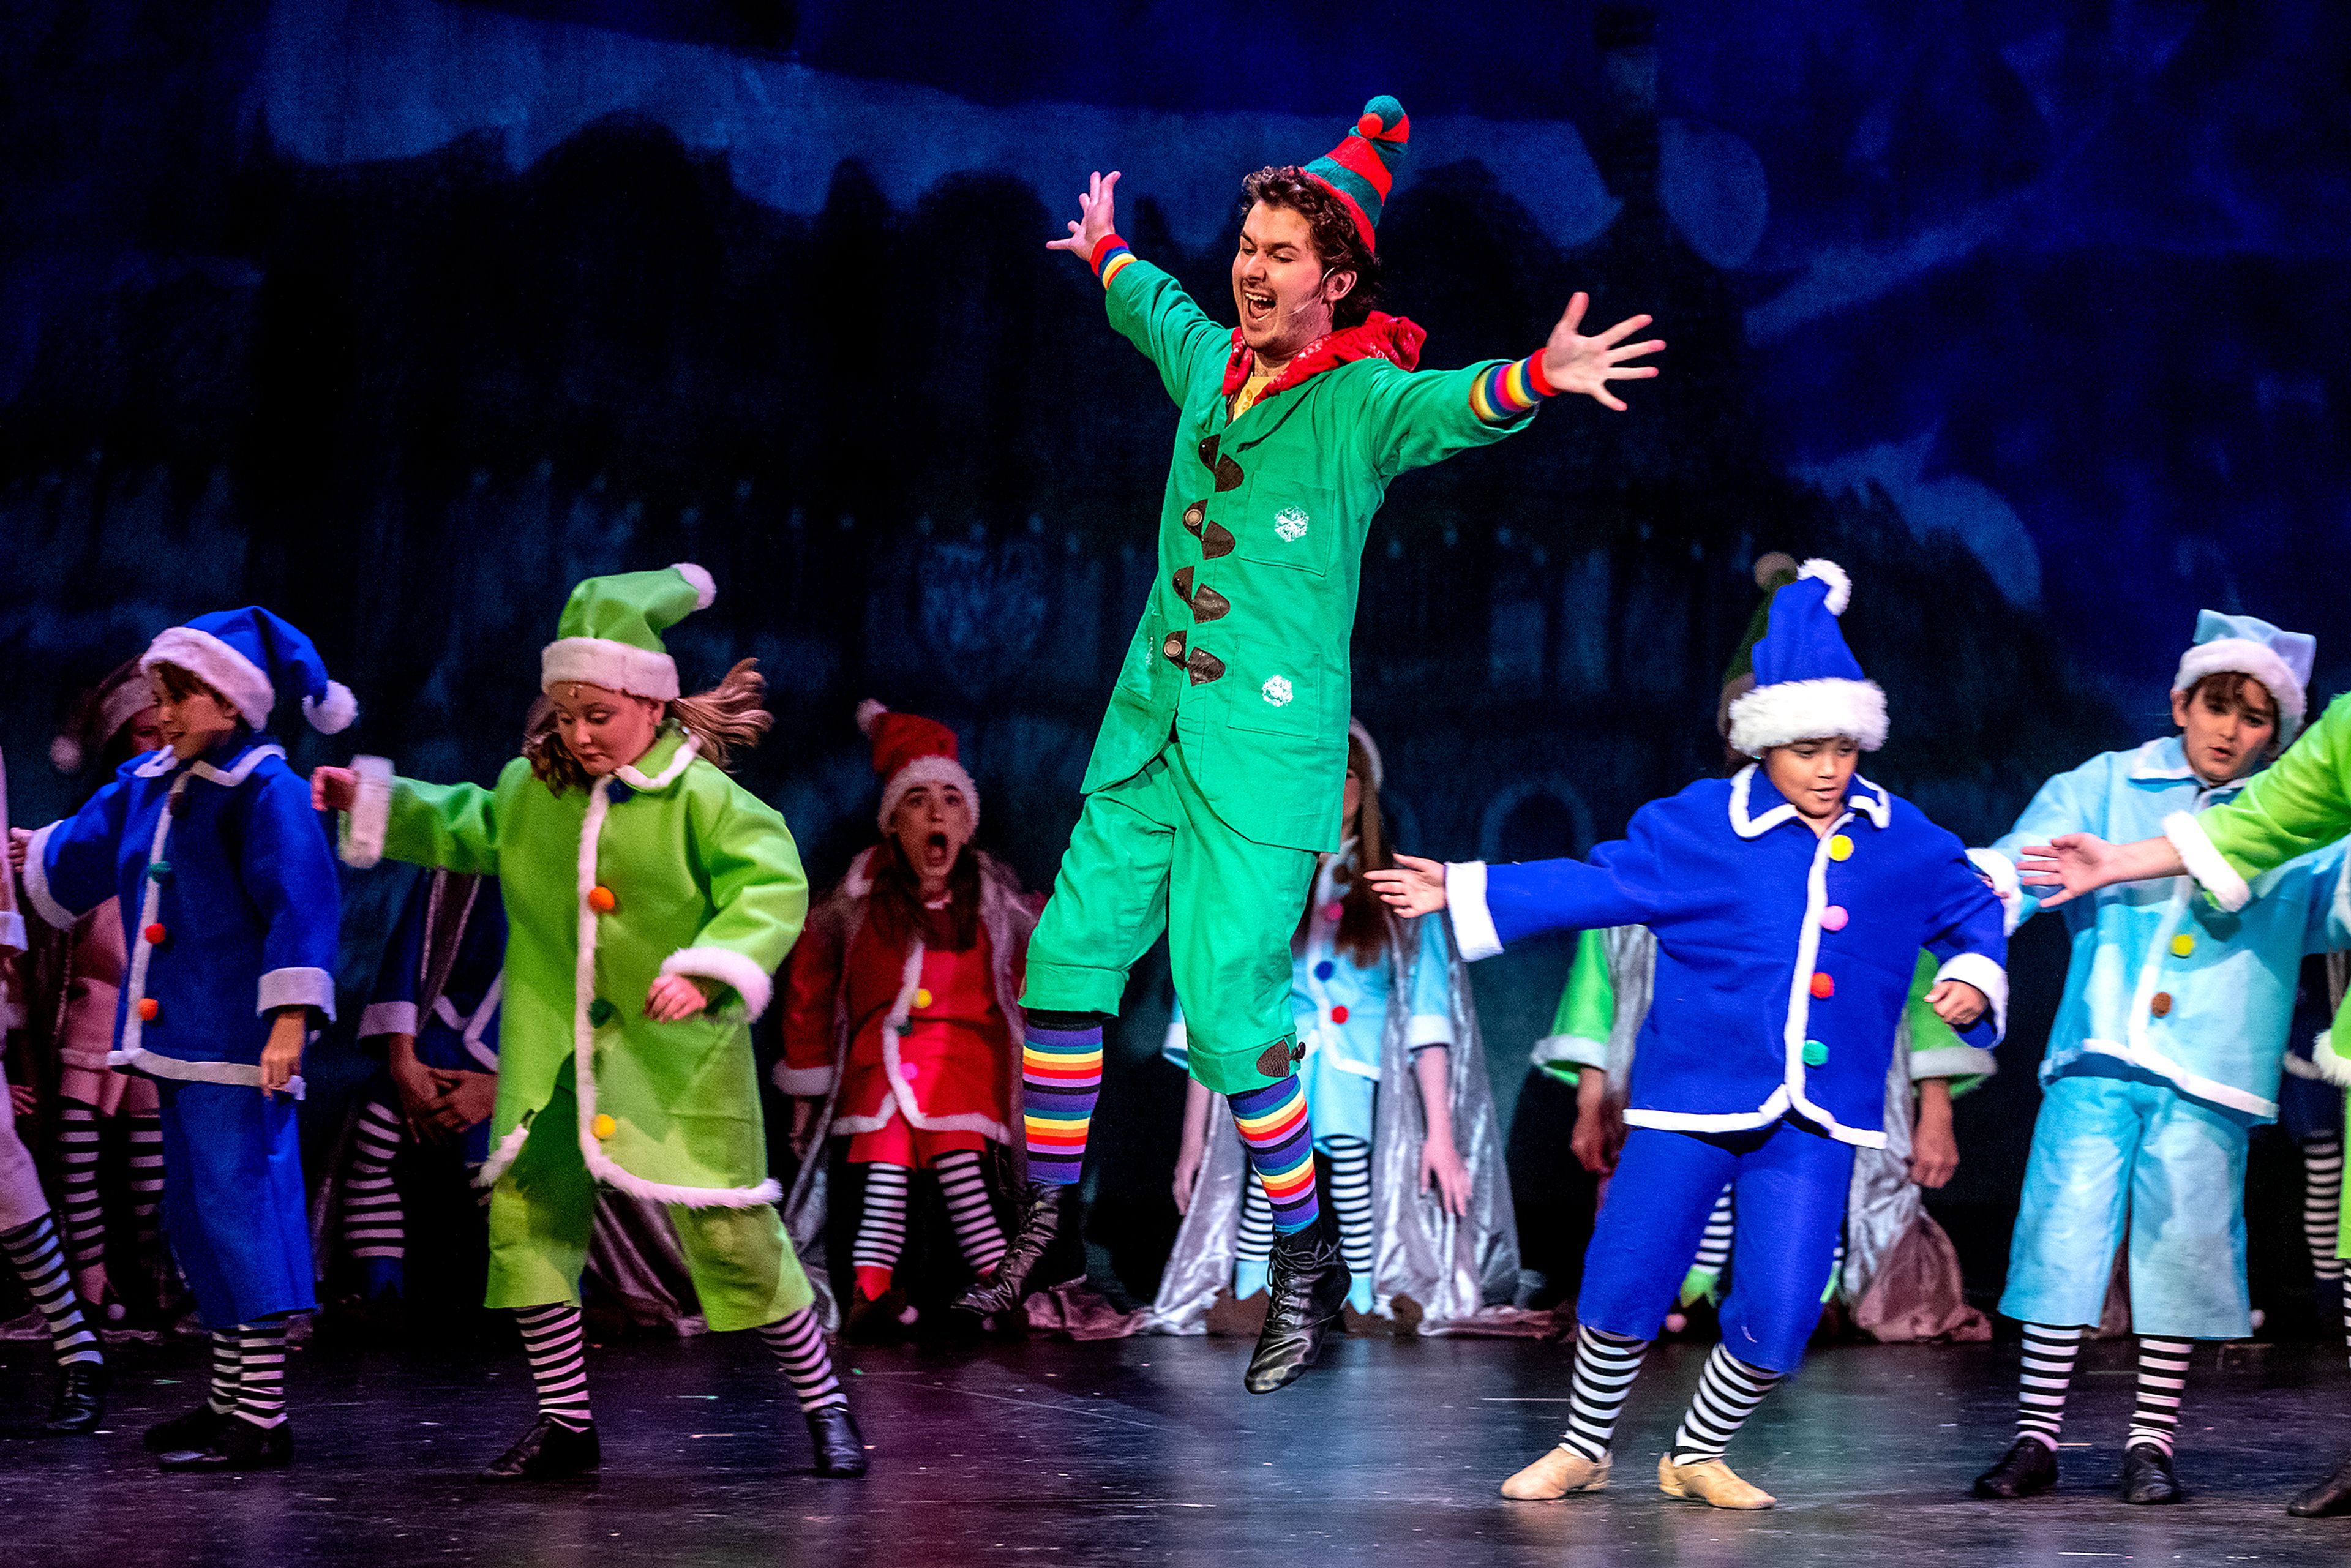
{"x": 1219, "y": 769}
{"x": 668, "y": 867}
{"x": 2299, "y": 804}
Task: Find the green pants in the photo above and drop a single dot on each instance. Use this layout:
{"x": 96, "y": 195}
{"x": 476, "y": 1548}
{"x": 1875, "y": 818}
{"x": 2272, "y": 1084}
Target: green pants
{"x": 1149, "y": 855}
{"x": 544, "y": 1205}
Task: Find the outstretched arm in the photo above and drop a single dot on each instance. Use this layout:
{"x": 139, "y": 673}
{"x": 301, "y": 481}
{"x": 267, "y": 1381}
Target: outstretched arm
{"x": 2072, "y": 864}
{"x": 1147, "y": 306}
{"x": 1573, "y": 362}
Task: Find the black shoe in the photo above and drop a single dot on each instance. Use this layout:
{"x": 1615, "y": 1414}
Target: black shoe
{"x": 1305, "y": 1292}
{"x": 840, "y": 1446}
{"x": 2147, "y": 1476}
{"x": 1040, "y": 1221}
{"x": 549, "y": 1451}
{"x": 239, "y": 1444}
{"x": 81, "y": 1401}
{"x": 2328, "y": 1499}
{"x": 2028, "y": 1466}
{"x": 185, "y": 1433}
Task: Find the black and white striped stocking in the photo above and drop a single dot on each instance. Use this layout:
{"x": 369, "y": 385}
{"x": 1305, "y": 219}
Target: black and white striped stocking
{"x": 2321, "y": 1206}
{"x": 2048, "y": 1373}
{"x": 2162, "y": 1379}
{"x": 1606, "y": 1366}
{"x": 261, "y": 1373}
{"x": 1714, "y": 1246}
{"x": 80, "y": 1139}
{"x": 965, "y": 1188}
{"x": 228, "y": 1371}
{"x": 375, "y": 1225}
{"x": 882, "y": 1227}
{"x": 147, "y": 1177}
{"x": 797, "y": 1341}
{"x": 556, "y": 1340}
{"x": 1727, "y": 1394}
{"x": 39, "y": 1260}
{"x": 1351, "y": 1202}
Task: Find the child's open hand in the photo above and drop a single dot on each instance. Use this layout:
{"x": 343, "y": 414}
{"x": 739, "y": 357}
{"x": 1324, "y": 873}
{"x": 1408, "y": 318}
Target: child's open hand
{"x": 1956, "y": 1003}
{"x": 673, "y": 998}
{"x": 20, "y": 843}
{"x": 333, "y": 789}
{"x": 1416, "y": 886}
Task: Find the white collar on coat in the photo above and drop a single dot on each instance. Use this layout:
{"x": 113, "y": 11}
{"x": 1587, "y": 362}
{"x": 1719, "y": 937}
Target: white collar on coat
{"x": 164, "y": 760}
{"x": 687, "y": 751}
{"x": 1860, "y": 795}
{"x": 2164, "y": 761}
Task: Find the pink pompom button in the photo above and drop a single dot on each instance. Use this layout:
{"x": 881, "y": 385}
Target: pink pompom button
{"x": 1332, "y": 909}
{"x": 1833, "y": 917}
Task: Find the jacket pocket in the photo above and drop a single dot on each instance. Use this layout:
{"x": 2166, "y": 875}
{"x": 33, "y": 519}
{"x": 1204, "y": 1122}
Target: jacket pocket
{"x": 1274, "y": 691}
{"x": 1292, "y": 526}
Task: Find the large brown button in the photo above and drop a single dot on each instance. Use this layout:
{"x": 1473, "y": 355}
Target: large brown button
{"x": 1174, "y": 648}
{"x": 2161, "y": 1004}
{"x": 1216, "y": 540}
{"x": 1205, "y": 666}
{"x": 1184, "y": 581}
{"x": 1274, "y": 1061}
{"x": 1208, "y": 604}
{"x": 1208, "y": 450}
{"x": 1229, "y": 473}
{"x": 1195, "y": 514}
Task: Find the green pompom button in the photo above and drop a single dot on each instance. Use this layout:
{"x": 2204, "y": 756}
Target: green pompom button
{"x": 160, "y": 870}
{"x": 1815, "y": 1053}
{"x": 600, "y": 1012}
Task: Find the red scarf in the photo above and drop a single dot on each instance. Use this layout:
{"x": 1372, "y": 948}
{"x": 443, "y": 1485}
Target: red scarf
{"x": 1381, "y": 337}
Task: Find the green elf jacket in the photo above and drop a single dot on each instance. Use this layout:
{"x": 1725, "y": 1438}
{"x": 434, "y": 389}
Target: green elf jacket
{"x": 1243, "y": 646}
{"x": 665, "y": 868}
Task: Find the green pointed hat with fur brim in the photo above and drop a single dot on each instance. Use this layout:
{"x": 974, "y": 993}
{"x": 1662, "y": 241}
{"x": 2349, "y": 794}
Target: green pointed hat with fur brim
{"x": 610, "y": 632}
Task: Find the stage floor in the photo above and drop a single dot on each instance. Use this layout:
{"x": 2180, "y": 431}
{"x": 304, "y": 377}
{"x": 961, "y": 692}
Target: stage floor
{"x": 1148, "y": 1451}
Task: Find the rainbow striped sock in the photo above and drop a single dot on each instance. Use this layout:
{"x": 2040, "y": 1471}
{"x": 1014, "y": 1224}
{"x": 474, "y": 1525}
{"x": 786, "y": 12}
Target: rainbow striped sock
{"x": 1061, "y": 1074}
{"x": 1509, "y": 390}
{"x": 1273, "y": 1124}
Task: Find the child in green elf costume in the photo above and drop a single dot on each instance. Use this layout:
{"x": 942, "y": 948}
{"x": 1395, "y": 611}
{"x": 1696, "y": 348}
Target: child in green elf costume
{"x": 649, "y": 900}
{"x": 1216, "y": 781}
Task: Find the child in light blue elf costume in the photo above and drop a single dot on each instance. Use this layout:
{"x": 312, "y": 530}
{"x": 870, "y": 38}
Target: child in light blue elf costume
{"x": 1397, "y": 1095}
{"x": 229, "y": 908}
{"x": 1789, "y": 904}
{"x": 436, "y": 1008}
{"x": 2166, "y": 1050}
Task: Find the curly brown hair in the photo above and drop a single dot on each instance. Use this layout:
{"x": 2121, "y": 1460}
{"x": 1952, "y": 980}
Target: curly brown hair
{"x": 730, "y": 716}
{"x": 1338, "y": 244}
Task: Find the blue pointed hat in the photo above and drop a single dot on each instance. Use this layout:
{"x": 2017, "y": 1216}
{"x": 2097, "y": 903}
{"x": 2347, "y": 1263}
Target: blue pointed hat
{"x": 248, "y": 655}
{"x": 2247, "y": 645}
{"x": 1808, "y": 684}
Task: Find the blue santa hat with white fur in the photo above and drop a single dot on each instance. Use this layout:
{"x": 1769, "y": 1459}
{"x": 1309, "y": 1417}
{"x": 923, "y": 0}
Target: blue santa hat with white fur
{"x": 248, "y": 655}
{"x": 2247, "y": 645}
{"x": 1808, "y": 684}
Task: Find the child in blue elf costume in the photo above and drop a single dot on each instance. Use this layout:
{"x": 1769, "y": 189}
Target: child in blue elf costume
{"x": 229, "y": 909}
{"x": 2164, "y": 1053}
{"x": 1788, "y": 903}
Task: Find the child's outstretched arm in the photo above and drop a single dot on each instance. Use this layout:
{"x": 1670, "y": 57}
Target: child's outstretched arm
{"x": 452, "y": 826}
{"x": 1622, "y": 884}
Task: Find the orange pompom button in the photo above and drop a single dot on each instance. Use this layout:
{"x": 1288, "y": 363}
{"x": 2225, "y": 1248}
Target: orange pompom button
{"x": 148, "y": 1008}
{"x": 604, "y": 1126}
{"x": 1823, "y": 986}
{"x": 602, "y": 901}
{"x": 154, "y": 934}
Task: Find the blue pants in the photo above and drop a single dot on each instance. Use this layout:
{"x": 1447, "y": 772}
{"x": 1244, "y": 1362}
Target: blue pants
{"x": 1788, "y": 1185}
{"x": 232, "y": 1201}
{"x": 2111, "y": 1151}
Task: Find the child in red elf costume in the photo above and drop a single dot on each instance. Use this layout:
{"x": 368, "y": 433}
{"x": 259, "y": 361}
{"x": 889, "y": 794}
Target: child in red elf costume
{"x": 903, "y": 1009}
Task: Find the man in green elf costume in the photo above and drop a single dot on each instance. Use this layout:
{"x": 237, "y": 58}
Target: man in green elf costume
{"x": 1219, "y": 773}
{"x": 649, "y": 900}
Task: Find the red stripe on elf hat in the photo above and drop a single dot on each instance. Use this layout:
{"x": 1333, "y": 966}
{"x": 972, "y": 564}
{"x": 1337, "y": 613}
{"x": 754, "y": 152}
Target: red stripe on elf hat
{"x": 1361, "y": 170}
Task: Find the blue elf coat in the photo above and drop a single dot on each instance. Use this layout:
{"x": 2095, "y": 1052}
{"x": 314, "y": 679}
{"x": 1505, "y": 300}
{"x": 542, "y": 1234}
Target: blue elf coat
{"x": 2228, "y": 981}
{"x": 460, "y": 1034}
{"x": 222, "y": 862}
{"x": 1785, "y": 958}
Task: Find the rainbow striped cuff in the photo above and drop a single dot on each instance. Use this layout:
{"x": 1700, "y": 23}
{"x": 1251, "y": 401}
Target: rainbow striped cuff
{"x": 1110, "y": 258}
{"x": 1509, "y": 391}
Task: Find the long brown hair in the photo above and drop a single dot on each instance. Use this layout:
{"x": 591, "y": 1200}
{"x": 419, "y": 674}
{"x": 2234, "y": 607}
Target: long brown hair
{"x": 729, "y": 716}
{"x": 896, "y": 908}
{"x": 1364, "y": 930}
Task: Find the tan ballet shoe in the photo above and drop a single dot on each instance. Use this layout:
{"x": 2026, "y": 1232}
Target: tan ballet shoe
{"x": 1709, "y": 1481}
{"x": 1560, "y": 1471}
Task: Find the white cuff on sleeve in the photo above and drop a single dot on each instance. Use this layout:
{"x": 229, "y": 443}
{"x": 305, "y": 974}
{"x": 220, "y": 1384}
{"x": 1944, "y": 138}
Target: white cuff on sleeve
{"x": 388, "y": 1018}
{"x": 2002, "y": 870}
{"x": 1425, "y": 1029}
{"x": 12, "y": 931}
{"x": 1465, "y": 899}
{"x": 1952, "y": 1061}
{"x": 371, "y": 812}
{"x": 802, "y": 1082}
{"x": 752, "y": 983}
{"x": 2204, "y": 863}
{"x": 298, "y": 988}
{"x": 1571, "y": 1049}
{"x": 1985, "y": 975}
{"x": 37, "y": 882}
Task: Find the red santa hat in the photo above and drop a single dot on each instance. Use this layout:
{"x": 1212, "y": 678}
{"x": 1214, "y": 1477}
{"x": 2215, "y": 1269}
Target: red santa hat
{"x": 910, "y": 750}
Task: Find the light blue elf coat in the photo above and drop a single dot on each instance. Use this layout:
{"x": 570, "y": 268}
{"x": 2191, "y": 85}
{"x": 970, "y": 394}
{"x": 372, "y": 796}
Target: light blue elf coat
{"x": 1342, "y": 1008}
{"x": 229, "y": 911}
{"x": 2167, "y": 1047}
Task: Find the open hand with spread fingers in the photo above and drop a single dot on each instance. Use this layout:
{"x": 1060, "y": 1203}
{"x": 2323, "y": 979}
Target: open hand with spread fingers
{"x": 1573, "y": 362}
{"x": 1415, "y": 886}
{"x": 1097, "y": 216}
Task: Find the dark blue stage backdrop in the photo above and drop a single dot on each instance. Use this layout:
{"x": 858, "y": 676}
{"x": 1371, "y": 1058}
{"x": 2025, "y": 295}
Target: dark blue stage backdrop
{"x": 400, "y": 314}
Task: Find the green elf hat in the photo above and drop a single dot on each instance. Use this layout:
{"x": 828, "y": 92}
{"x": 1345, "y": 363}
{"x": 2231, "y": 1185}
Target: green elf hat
{"x": 1774, "y": 572}
{"x": 610, "y": 632}
{"x": 1361, "y": 170}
